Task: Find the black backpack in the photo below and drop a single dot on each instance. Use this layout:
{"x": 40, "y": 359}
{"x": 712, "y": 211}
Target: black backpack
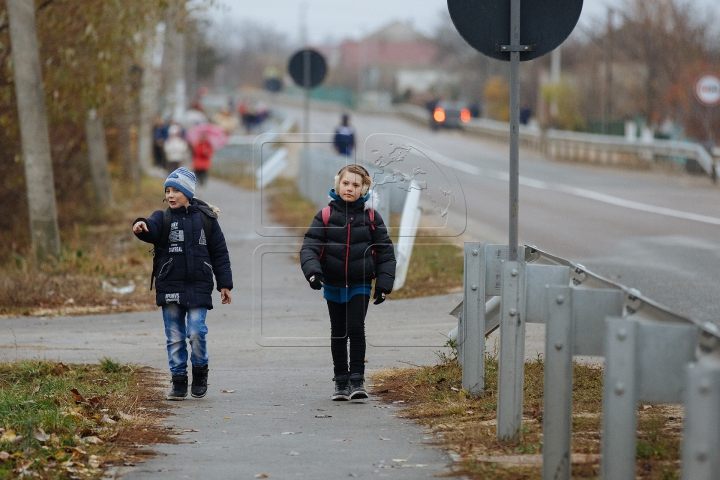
{"x": 158, "y": 248}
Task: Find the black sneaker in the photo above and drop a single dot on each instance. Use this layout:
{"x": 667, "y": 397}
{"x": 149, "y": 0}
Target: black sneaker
{"x": 357, "y": 387}
{"x": 199, "y": 381}
{"x": 342, "y": 390}
{"x": 179, "y": 387}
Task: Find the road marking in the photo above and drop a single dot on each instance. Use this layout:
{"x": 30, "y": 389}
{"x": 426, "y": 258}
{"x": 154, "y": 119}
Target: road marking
{"x": 578, "y": 192}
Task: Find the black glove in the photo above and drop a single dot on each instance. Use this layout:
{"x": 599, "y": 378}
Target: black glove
{"x": 316, "y": 281}
{"x": 379, "y": 296}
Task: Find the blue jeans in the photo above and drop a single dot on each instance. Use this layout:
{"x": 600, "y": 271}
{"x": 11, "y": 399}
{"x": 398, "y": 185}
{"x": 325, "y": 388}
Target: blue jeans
{"x": 176, "y": 331}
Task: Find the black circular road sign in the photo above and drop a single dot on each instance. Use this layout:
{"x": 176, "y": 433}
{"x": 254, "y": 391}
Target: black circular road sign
{"x": 316, "y": 64}
{"x": 544, "y": 24}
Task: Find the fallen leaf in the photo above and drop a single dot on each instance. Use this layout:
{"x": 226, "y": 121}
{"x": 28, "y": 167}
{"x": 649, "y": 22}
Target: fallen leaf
{"x": 36, "y": 389}
{"x": 323, "y": 416}
{"x": 77, "y": 396}
{"x": 228, "y": 391}
{"x": 94, "y": 461}
{"x": 227, "y": 418}
{"x": 399, "y": 401}
{"x": 189, "y": 430}
{"x": 293, "y": 454}
{"x": 383, "y": 438}
{"x": 125, "y": 416}
{"x": 224, "y": 431}
{"x": 290, "y": 433}
{"x": 261, "y": 475}
{"x": 108, "y": 420}
{"x": 4, "y": 456}
{"x": 454, "y": 389}
{"x": 40, "y": 435}
{"x": 94, "y": 401}
{"x": 400, "y": 460}
{"x": 9, "y": 436}
{"x": 93, "y": 440}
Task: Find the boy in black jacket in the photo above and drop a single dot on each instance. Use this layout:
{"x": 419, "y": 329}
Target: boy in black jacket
{"x": 184, "y": 278}
{"x": 345, "y": 248}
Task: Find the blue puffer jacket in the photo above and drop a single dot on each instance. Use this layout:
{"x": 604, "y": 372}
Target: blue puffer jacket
{"x": 185, "y": 275}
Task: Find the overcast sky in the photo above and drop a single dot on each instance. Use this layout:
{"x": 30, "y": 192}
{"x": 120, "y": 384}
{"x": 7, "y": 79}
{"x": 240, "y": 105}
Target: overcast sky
{"x": 339, "y": 19}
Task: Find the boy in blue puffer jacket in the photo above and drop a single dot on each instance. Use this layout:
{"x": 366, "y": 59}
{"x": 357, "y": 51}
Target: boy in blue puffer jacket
{"x": 188, "y": 257}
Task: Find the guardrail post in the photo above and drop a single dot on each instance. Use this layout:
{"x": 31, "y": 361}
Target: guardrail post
{"x": 512, "y": 351}
{"x": 701, "y": 435}
{"x": 557, "y": 388}
{"x": 619, "y": 421}
{"x": 472, "y": 332}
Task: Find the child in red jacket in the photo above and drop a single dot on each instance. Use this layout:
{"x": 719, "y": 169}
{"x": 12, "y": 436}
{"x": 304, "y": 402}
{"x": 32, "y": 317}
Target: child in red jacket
{"x": 202, "y": 158}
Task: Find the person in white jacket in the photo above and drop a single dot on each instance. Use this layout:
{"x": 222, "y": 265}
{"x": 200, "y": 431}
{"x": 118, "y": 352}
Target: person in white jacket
{"x": 177, "y": 150}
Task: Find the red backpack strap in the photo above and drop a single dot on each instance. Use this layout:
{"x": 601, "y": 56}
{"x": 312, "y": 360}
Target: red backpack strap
{"x": 371, "y": 214}
{"x": 326, "y": 215}
{"x": 325, "y": 212}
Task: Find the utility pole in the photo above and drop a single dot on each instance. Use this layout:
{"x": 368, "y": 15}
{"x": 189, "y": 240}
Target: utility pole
{"x": 34, "y": 134}
{"x": 607, "y": 111}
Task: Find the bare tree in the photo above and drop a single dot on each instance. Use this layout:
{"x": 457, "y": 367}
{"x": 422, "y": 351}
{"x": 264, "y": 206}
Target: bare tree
{"x": 33, "y": 128}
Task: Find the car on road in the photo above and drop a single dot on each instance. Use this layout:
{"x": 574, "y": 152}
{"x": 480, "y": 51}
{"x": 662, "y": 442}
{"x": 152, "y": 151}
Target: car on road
{"x": 447, "y": 114}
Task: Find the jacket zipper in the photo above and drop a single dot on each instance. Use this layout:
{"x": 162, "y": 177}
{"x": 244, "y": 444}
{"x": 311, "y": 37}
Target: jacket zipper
{"x": 163, "y": 267}
{"x": 211, "y": 269}
{"x": 347, "y": 256}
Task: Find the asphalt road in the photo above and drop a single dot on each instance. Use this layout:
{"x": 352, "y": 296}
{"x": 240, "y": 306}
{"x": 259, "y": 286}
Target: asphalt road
{"x": 657, "y": 231}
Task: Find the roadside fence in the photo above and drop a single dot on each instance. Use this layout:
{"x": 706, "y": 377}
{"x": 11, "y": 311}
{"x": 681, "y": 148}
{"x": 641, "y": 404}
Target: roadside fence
{"x": 651, "y": 355}
{"x": 583, "y": 147}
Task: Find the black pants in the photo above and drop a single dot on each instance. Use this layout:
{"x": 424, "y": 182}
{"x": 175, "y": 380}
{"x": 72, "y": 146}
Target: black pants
{"x": 201, "y": 176}
{"x": 347, "y": 322}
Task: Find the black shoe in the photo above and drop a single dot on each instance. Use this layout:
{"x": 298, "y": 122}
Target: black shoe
{"x": 199, "y": 381}
{"x": 342, "y": 390}
{"x": 179, "y": 387}
{"x": 357, "y": 387}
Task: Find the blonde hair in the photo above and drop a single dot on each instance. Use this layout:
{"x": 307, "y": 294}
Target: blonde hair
{"x": 358, "y": 170}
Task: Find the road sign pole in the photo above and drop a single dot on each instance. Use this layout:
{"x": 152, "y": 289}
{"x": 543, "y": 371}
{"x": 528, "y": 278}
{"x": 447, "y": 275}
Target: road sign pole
{"x": 306, "y": 84}
{"x": 514, "y": 127}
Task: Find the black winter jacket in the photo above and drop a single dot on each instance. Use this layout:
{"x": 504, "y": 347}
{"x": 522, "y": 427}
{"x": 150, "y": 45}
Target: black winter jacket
{"x": 346, "y": 246}
{"x": 187, "y": 264}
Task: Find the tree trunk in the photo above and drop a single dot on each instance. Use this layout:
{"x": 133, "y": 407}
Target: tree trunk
{"x": 98, "y": 159}
{"x": 150, "y": 85}
{"x": 33, "y": 128}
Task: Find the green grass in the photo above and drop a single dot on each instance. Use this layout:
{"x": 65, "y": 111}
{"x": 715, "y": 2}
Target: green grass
{"x": 60, "y": 421}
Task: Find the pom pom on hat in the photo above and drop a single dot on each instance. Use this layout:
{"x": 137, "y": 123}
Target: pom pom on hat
{"x": 182, "y": 179}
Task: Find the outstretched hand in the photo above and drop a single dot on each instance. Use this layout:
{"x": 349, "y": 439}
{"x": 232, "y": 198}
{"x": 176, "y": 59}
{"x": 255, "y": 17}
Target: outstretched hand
{"x": 140, "y": 227}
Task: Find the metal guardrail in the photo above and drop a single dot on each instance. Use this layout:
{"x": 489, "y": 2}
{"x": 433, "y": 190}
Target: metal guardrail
{"x": 651, "y": 354}
{"x": 589, "y": 147}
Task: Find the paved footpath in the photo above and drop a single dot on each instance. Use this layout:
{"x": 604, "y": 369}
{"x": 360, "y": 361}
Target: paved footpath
{"x": 280, "y": 421}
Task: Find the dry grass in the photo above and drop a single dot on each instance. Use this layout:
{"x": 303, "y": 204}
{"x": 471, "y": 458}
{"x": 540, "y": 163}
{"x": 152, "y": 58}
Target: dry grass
{"x": 76, "y": 421}
{"x": 466, "y": 424}
{"x": 102, "y": 250}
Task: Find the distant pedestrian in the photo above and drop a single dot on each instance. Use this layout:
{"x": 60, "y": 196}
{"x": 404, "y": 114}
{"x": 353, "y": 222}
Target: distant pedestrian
{"x": 183, "y": 268}
{"x": 202, "y": 158}
{"x": 347, "y": 247}
{"x": 160, "y": 135}
{"x": 344, "y": 141}
{"x": 177, "y": 151}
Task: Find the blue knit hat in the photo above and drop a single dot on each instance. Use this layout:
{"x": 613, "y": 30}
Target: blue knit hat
{"x": 182, "y": 179}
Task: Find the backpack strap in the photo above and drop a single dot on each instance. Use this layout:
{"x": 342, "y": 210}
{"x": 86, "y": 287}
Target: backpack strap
{"x": 326, "y": 216}
{"x": 371, "y": 215}
{"x": 325, "y": 212}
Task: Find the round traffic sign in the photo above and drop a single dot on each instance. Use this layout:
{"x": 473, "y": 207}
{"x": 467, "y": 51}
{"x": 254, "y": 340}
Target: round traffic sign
{"x": 308, "y": 68}
{"x": 707, "y": 90}
{"x": 544, "y": 24}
